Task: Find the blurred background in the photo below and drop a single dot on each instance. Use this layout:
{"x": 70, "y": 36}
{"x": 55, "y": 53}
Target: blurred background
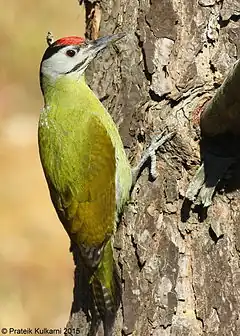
{"x": 36, "y": 268}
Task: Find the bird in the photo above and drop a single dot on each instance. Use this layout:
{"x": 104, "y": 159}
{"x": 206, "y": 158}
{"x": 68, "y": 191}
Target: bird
{"x": 85, "y": 165}
{"x": 86, "y": 168}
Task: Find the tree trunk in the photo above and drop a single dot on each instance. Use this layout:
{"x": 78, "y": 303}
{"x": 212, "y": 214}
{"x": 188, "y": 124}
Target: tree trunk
{"x": 180, "y": 275}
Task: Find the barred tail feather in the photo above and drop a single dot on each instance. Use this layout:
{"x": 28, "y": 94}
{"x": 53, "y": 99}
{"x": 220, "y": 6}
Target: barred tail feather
{"x": 106, "y": 288}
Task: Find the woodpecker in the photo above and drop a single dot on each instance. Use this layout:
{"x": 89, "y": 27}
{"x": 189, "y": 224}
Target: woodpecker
{"x": 85, "y": 164}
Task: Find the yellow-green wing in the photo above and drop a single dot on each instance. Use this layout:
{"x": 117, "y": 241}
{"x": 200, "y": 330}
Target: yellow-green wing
{"x": 87, "y": 208}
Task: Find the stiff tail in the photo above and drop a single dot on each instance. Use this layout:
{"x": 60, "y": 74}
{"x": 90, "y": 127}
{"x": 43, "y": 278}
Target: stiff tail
{"x": 106, "y": 289}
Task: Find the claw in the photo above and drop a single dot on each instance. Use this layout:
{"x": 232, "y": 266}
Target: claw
{"x": 150, "y": 154}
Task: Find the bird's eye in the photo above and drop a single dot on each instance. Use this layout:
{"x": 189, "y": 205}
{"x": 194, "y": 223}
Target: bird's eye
{"x": 70, "y": 52}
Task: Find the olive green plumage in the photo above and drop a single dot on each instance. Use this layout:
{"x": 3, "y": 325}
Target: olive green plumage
{"x": 89, "y": 178}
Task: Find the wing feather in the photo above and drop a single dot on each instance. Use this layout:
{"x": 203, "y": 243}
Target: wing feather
{"x": 88, "y": 208}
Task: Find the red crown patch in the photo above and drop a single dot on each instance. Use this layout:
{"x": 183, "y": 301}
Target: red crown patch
{"x": 70, "y": 40}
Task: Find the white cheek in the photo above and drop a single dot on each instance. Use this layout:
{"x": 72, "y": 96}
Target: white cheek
{"x": 57, "y": 65}
{"x": 60, "y": 64}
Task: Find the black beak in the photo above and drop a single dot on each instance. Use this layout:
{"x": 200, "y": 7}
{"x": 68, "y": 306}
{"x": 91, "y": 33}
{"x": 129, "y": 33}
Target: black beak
{"x": 102, "y": 42}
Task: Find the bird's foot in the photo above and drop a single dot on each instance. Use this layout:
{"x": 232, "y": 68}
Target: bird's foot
{"x": 150, "y": 155}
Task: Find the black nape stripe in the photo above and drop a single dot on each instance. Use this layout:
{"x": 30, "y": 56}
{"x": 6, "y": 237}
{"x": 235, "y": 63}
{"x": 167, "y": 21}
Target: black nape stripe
{"x": 51, "y": 50}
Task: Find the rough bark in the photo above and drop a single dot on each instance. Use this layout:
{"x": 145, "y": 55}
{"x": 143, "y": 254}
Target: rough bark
{"x": 180, "y": 276}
